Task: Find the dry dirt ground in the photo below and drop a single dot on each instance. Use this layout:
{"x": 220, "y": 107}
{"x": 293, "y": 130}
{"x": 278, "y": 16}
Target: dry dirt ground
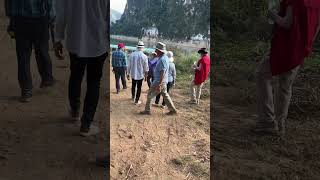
{"x": 36, "y": 139}
{"x": 241, "y": 154}
{"x": 158, "y": 146}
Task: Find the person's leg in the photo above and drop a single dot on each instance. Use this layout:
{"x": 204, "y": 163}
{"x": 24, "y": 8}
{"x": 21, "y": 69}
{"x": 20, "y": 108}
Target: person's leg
{"x": 139, "y": 86}
{"x": 168, "y": 100}
{"x": 169, "y": 85}
{"x": 94, "y": 74}
{"x": 283, "y": 94}
{"x": 77, "y": 68}
{"x": 193, "y": 92}
{"x": 117, "y": 75}
{"x": 133, "y": 89}
{"x": 24, "y": 50}
{"x": 151, "y": 94}
{"x": 157, "y": 99}
{"x": 265, "y": 105}
{"x": 149, "y": 81}
{"x": 198, "y": 93}
{"x": 41, "y": 46}
{"x": 123, "y": 78}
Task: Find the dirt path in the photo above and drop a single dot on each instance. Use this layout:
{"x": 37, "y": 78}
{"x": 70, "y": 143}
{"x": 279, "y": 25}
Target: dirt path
{"x": 241, "y": 154}
{"x": 36, "y": 139}
{"x": 158, "y": 146}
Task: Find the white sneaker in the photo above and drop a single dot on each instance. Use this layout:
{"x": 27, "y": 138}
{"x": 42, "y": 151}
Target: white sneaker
{"x": 138, "y": 103}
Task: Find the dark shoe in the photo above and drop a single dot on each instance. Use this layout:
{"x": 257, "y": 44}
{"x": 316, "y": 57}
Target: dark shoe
{"x": 125, "y": 88}
{"x": 85, "y": 132}
{"x": 45, "y": 84}
{"x": 103, "y": 161}
{"x": 193, "y": 102}
{"x": 25, "y": 99}
{"x": 172, "y": 113}
{"x": 266, "y": 129}
{"x": 145, "y": 113}
{"x": 118, "y": 91}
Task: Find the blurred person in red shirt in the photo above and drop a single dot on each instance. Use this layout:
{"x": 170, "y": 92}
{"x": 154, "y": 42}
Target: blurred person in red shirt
{"x": 296, "y": 26}
{"x": 201, "y": 74}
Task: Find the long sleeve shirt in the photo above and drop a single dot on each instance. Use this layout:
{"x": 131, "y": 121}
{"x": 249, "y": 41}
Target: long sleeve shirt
{"x": 119, "y": 58}
{"x": 30, "y": 8}
{"x": 172, "y": 72}
{"x": 83, "y": 24}
{"x": 138, "y": 65}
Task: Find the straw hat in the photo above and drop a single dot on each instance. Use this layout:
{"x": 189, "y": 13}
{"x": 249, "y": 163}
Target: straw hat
{"x": 140, "y": 44}
{"x": 161, "y": 47}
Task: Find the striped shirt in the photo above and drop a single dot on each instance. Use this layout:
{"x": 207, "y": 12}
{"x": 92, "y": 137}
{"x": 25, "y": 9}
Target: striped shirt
{"x": 119, "y": 58}
{"x": 30, "y": 8}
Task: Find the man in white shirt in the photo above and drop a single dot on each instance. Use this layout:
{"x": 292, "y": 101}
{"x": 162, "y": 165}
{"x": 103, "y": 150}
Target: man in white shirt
{"x": 138, "y": 69}
{"x": 85, "y": 24}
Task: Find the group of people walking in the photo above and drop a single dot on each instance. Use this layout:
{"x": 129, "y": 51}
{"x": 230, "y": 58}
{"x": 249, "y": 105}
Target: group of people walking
{"x": 159, "y": 71}
{"x": 83, "y": 26}
{"x": 86, "y": 41}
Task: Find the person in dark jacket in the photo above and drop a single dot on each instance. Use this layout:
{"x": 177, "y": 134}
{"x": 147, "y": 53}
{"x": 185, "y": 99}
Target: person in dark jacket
{"x": 29, "y": 25}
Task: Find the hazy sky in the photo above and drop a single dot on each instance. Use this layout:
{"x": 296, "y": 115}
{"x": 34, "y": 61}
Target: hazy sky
{"x": 118, "y": 5}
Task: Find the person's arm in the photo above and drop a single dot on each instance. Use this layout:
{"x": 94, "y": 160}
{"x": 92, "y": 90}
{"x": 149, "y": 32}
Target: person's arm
{"x": 174, "y": 74}
{"x": 51, "y": 10}
{"x": 112, "y": 59}
{"x": 318, "y": 29}
{"x": 284, "y": 22}
{"x": 60, "y": 26}
{"x": 161, "y": 77}
{"x": 129, "y": 66}
{"x": 199, "y": 67}
{"x": 146, "y": 67}
{"x": 7, "y": 7}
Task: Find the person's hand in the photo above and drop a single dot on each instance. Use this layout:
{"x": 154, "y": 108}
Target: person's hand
{"x": 58, "y": 49}
{"x": 272, "y": 14}
{"x": 158, "y": 87}
{"x": 10, "y": 31}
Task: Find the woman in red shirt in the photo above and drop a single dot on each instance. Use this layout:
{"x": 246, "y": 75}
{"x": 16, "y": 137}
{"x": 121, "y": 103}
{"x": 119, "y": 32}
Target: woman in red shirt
{"x": 201, "y": 73}
{"x": 296, "y": 26}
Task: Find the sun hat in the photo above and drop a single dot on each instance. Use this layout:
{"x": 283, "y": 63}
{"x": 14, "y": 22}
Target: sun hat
{"x": 203, "y": 51}
{"x": 121, "y": 45}
{"x": 140, "y": 44}
{"x": 161, "y": 47}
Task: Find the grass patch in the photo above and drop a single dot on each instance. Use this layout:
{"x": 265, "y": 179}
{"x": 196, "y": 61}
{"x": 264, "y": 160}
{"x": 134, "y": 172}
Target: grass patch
{"x": 191, "y": 165}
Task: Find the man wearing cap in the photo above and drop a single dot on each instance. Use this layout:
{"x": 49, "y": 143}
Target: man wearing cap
{"x": 87, "y": 43}
{"x": 159, "y": 83}
{"x": 138, "y": 69}
{"x": 29, "y": 25}
{"x": 296, "y": 27}
{"x": 201, "y": 74}
{"x": 119, "y": 64}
